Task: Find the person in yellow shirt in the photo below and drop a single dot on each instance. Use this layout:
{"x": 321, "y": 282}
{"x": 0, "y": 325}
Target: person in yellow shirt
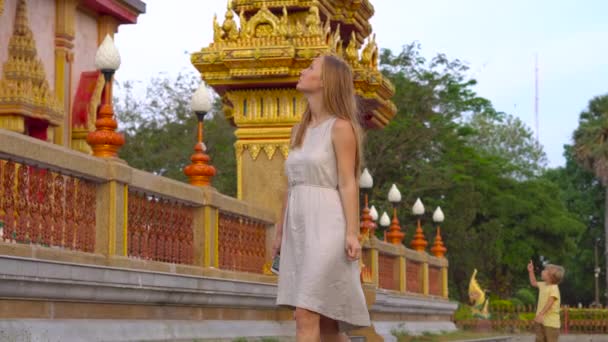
{"x": 547, "y": 311}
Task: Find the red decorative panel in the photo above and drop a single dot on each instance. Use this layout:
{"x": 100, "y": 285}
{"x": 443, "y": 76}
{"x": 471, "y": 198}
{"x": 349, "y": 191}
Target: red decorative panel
{"x": 388, "y": 277}
{"x": 241, "y": 243}
{"x": 159, "y": 229}
{"x": 413, "y": 276}
{"x": 435, "y": 281}
{"x": 39, "y": 206}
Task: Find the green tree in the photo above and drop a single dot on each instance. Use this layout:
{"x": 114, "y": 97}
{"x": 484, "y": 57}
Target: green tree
{"x": 583, "y": 195}
{"x": 505, "y": 135}
{"x": 160, "y": 131}
{"x": 494, "y": 221}
{"x": 590, "y": 149}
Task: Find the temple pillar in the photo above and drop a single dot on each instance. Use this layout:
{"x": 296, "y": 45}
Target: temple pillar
{"x": 65, "y": 17}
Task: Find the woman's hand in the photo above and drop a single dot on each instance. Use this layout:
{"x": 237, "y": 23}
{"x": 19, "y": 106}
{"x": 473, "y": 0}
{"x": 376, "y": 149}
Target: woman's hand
{"x": 276, "y": 244}
{"x": 353, "y": 247}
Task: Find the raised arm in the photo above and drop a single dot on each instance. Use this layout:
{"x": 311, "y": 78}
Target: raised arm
{"x": 345, "y": 145}
{"x": 531, "y": 274}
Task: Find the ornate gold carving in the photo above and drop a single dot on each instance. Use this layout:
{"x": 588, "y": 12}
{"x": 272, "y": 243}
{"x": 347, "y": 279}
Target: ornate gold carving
{"x": 313, "y": 22}
{"x": 270, "y": 149}
{"x": 352, "y": 55}
{"x": 254, "y": 150}
{"x": 284, "y": 150}
{"x": 229, "y": 25}
{"x": 218, "y": 34}
{"x": 1, "y": 7}
{"x": 276, "y": 106}
{"x": 24, "y": 89}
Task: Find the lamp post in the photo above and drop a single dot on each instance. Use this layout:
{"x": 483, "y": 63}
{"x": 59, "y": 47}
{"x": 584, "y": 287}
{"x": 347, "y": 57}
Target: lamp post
{"x": 395, "y": 235}
{"x": 596, "y": 273}
{"x": 438, "y": 249}
{"x": 374, "y": 214}
{"x": 419, "y": 241}
{"x": 105, "y": 141}
{"x": 199, "y": 172}
{"x": 366, "y": 182}
{"x": 385, "y": 221}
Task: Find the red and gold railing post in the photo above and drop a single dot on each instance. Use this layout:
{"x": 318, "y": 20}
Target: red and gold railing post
{"x": 395, "y": 235}
{"x": 200, "y": 172}
{"x": 105, "y": 141}
{"x": 419, "y": 242}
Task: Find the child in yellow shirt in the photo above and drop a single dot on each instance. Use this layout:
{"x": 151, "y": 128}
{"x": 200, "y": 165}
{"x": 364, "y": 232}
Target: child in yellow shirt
{"x": 547, "y": 311}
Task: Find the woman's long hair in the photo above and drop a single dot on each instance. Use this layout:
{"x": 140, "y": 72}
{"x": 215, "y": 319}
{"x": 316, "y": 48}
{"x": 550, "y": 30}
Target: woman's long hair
{"x": 339, "y": 99}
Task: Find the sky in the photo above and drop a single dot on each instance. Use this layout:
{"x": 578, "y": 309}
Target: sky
{"x": 499, "y": 40}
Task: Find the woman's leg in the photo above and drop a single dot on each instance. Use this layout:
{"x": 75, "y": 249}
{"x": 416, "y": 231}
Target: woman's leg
{"x": 307, "y": 326}
{"x": 330, "y": 332}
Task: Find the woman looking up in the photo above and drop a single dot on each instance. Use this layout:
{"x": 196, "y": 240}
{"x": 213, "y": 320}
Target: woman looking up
{"x": 318, "y": 237}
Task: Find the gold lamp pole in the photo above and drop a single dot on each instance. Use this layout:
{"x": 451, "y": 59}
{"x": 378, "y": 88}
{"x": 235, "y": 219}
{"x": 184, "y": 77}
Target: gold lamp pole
{"x": 385, "y": 221}
{"x": 374, "y": 215}
{"x": 199, "y": 172}
{"x": 366, "y": 182}
{"x": 395, "y": 235}
{"x": 438, "y": 249}
{"x": 105, "y": 141}
{"x": 419, "y": 241}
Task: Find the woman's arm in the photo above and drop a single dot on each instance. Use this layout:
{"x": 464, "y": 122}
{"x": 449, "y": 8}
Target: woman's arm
{"x": 531, "y": 274}
{"x": 278, "y": 234}
{"x": 345, "y": 146}
{"x": 276, "y": 246}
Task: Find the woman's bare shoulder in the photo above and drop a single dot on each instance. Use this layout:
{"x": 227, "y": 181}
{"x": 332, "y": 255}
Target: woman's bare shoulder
{"x": 342, "y": 128}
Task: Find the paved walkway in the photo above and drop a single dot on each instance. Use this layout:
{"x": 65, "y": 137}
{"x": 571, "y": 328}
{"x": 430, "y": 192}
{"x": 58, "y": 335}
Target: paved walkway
{"x": 530, "y": 338}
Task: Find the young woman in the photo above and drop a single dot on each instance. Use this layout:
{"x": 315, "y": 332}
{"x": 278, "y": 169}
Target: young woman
{"x": 318, "y": 238}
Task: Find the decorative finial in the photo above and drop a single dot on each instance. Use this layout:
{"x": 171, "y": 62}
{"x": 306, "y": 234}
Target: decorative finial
{"x": 419, "y": 242}
{"x": 373, "y": 213}
{"x": 394, "y": 196}
{"x": 105, "y": 141}
{"x": 107, "y": 56}
{"x": 366, "y": 181}
{"x": 438, "y": 248}
{"x": 418, "y": 208}
{"x": 438, "y": 215}
{"x": 200, "y": 172}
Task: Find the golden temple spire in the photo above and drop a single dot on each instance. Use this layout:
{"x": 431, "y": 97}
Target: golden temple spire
{"x": 24, "y": 89}
{"x": 352, "y": 54}
{"x": 229, "y": 26}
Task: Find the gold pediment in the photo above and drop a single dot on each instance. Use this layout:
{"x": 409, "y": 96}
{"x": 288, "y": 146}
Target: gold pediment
{"x": 24, "y": 89}
{"x": 275, "y": 40}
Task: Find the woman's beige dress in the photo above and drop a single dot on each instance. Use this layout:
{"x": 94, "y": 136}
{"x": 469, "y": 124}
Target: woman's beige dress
{"x": 314, "y": 272}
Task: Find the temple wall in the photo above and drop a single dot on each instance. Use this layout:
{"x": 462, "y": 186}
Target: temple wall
{"x": 85, "y": 47}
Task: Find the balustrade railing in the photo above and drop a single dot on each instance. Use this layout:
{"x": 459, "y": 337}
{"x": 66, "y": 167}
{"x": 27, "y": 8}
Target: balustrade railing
{"x": 160, "y": 229}
{"x": 46, "y": 207}
{"x": 241, "y": 243}
{"x": 388, "y": 272}
{"x": 68, "y": 201}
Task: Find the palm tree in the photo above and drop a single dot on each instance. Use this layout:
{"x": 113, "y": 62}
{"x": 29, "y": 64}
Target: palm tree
{"x": 591, "y": 152}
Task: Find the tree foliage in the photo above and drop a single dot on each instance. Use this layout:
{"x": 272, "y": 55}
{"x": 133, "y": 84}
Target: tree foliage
{"x": 590, "y": 151}
{"x": 583, "y": 196}
{"x": 441, "y": 147}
